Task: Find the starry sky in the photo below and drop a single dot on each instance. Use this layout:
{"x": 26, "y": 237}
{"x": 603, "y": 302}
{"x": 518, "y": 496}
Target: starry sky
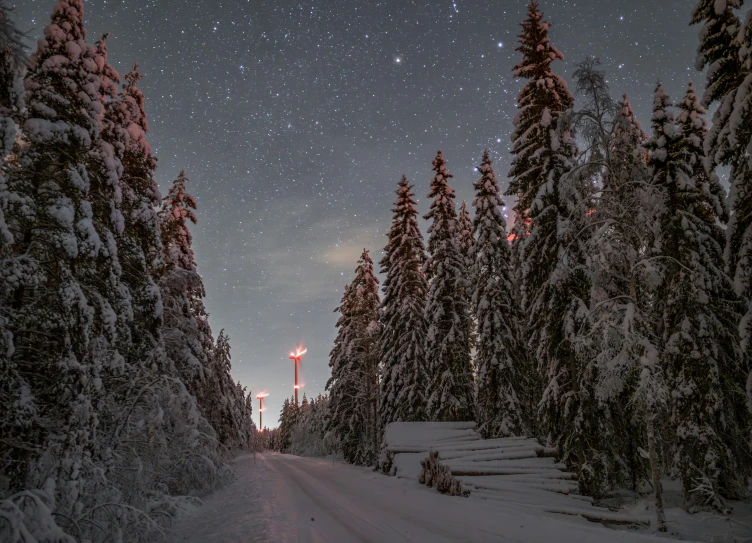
{"x": 294, "y": 120}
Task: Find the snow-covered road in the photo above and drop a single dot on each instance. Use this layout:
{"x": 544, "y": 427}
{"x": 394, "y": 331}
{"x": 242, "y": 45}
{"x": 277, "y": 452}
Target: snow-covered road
{"x": 281, "y": 498}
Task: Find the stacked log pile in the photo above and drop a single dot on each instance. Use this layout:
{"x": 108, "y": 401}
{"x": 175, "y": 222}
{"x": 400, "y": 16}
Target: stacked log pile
{"x": 517, "y": 471}
{"x": 409, "y": 438}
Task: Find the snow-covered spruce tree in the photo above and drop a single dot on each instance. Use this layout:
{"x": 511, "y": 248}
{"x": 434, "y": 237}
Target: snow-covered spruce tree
{"x": 20, "y": 509}
{"x": 226, "y": 411}
{"x": 353, "y": 386}
{"x": 177, "y": 211}
{"x": 119, "y": 435}
{"x": 336, "y": 355}
{"x": 299, "y": 434}
{"x": 618, "y": 340}
{"x": 242, "y": 410}
{"x": 272, "y": 439}
{"x": 66, "y": 306}
{"x": 626, "y": 147}
{"x": 704, "y": 363}
{"x": 529, "y": 134}
{"x": 552, "y": 204}
{"x": 187, "y": 335}
{"x": 450, "y": 386}
{"x": 467, "y": 244}
{"x": 527, "y": 138}
{"x": 612, "y": 340}
{"x": 252, "y": 430}
{"x": 181, "y": 456}
{"x": 403, "y": 318}
{"x": 725, "y": 48}
{"x": 739, "y": 247}
{"x": 140, "y": 245}
{"x": 13, "y": 64}
{"x": 719, "y": 47}
{"x": 502, "y": 378}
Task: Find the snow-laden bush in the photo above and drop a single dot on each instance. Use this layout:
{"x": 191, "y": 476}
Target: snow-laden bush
{"x": 28, "y": 516}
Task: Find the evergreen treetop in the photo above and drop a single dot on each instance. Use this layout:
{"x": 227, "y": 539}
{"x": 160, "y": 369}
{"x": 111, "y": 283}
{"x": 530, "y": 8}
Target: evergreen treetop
{"x": 177, "y": 210}
{"x": 442, "y": 211}
{"x": 541, "y": 100}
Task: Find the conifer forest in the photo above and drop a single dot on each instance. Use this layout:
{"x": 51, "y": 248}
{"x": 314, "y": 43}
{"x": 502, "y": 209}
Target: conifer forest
{"x": 588, "y": 307}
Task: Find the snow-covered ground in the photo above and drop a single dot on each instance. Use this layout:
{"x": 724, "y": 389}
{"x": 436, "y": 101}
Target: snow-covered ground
{"x": 705, "y": 526}
{"x": 280, "y": 498}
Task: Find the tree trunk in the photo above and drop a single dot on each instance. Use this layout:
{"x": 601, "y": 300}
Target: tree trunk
{"x": 656, "y": 477}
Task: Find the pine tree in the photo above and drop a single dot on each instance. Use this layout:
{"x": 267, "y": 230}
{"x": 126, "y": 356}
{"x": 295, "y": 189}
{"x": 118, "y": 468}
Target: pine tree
{"x": 354, "y": 362}
{"x": 450, "y": 388}
{"x": 502, "y": 376}
{"x": 704, "y": 364}
{"x": 550, "y": 229}
{"x": 404, "y": 325}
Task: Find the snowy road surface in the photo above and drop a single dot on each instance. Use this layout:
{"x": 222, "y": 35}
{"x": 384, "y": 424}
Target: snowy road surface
{"x": 283, "y": 498}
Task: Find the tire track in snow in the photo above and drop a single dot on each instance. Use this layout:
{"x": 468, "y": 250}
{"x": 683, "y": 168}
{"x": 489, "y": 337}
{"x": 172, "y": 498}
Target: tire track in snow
{"x": 328, "y": 507}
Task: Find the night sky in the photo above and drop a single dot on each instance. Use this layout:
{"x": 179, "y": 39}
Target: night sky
{"x": 295, "y": 120}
